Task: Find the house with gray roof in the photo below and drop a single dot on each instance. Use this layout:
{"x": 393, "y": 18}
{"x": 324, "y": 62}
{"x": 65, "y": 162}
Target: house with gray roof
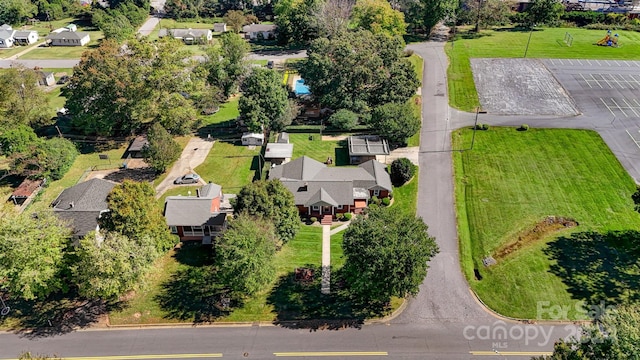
{"x": 366, "y": 147}
{"x": 278, "y": 153}
{"x": 68, "y": 38}
{"x": 188, "y": 36}
{"x": 81, "y": 205}
{"x": 323, "y": 191}
{"x": 6, "y": 36}
{"x": 201, "y": 217}
{"x": 260, "y": 31}
{"x": 26, "y": 37}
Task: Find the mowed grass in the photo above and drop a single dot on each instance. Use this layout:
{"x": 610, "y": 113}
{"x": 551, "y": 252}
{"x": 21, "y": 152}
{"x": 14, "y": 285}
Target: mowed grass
{"x": 416, "y": 100}
{"x": 228, "y": 112}
{"x": 510, "y": 181}
{"x": 230, "y": 166}
{"x": 314, "y": 147}
{"x": 545, "y": 43}
{"x": 405, "y": 197}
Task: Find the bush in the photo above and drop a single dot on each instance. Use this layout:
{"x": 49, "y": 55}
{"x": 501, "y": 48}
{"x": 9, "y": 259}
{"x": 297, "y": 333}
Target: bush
{"x": 386, "y": 201}
{"x": 583, "y": 18}
{"x": 344, "y": 119}
{"x": 348, "y": 216}
{"x": 485, "y": 126}
{"x": 408, "y": 53}
{"x": 402, "y": 170}
{"x": 339, "y": 216}
{"x": 313, "y": 219}
{"x": 523, "y": 127}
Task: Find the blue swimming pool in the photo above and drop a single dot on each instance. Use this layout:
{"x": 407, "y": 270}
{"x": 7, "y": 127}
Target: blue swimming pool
{"x": 301, "y": 88}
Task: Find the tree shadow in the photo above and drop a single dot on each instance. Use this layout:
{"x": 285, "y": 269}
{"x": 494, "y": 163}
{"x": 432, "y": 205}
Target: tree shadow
{"x": 139, "y": 174}
{"x": 194, "y": 254}
{"x": 301, "y": 304}
{"x": 598, "y": 267}
{"x": 56, "y": 315}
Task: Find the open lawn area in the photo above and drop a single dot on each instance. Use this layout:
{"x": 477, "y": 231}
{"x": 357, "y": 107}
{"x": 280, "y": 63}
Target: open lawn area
{"x": 545, "y": 43}
{"x": 314, "y": 147}
{"x": 509, "y": 186}
{"x": 226, "y": 116}
{"x": 229, "y": 165}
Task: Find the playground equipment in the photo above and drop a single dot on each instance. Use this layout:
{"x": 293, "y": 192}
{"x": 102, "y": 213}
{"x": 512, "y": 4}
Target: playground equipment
{"x": 609, "y": 40}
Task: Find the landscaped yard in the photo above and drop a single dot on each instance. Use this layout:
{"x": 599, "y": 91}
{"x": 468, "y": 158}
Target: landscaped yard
{"x": 545, "y": 43}
{"x": 229, "y": 165}
{"x": 62, "y": 52}
{"x": 508, "y": 186}
{"x": 314, "y": 147}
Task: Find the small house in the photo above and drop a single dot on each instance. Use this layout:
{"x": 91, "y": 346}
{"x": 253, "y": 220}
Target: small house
{"x": 71, "y": 27}
{"x": 6, "y": 36}
{"x": 365, "y": 148}
{"x": 259, "y": 31}
{"x": 188, "y": 36}
{"x": 26, "y": 191}
{"x": 135, "y": 148}
{"x": 46, "y": 78}
{"x": 278, "y": 153}
{"x": 220, "y": 27}
{"x": 256, "y": 139}
{"x": 68, "y": 38}
{"x": 25, "y": 37}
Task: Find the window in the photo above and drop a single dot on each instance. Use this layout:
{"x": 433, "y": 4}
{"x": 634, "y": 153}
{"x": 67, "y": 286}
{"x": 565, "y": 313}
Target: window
{"x": 315, "y": 208}
{"x": 192, "y": 231}
{"x": 339, "y": 207}
{"x": 174, "y": 229}
{"x": 376, "y": 192}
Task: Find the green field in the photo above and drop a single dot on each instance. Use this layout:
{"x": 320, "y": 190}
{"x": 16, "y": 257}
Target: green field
{"x": 314, "y": 147}
{"x": 545, "y": 43}
{"x": 230, "y": 166}
{"x": 513, "y": 180}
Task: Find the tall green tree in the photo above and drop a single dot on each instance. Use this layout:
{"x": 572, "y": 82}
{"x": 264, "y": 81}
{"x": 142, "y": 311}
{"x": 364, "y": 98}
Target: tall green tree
{"x": 50, "y": 158}
{"x": 297, "y": 21}
{"x": 226, "y": 66}
{"x": 358, "y": 71}
{"x": 110, "y": 265}
{"x": 386, "y": 254}
{"x": 273, "y": 201}
{"x": 135, "y": 213}
{"x": 484, "y": 13}
{"x": 540, "y": 12}
{"x": 235, "y": 19}
{"x": 16, "y": 139}
{"x": 395, "y": 121}
{"x": 16, "y": 12}
{"x": 344, "y": 119}
{"x": 264, "y": 100}
{"x": 378, "y": 17}
{"x": 244, "y": 255}
{"x": 162, "y": 149}
{"x": 22, "y": 102}
{"x": 177, "y": 114}
{"x": 31, "y": 254}
{"x": 423, "y": 15}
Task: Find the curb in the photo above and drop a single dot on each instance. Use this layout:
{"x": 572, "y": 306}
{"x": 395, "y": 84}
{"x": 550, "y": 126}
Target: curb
{"x": 389, "y": 317}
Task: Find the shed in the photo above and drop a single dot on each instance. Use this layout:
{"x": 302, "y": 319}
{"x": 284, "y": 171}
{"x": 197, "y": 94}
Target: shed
{"x": 46, "y": 78}
{"x": 23, "y": 194}
{"x": 136, "y": 146}
{"x": 283, "y": 138}
{"x": 220, "y": 27}
{"x": 366, "y": 147}
{"x": 253, "y": 139}
{"x": 278, "y": 153}
{"x": 71, "y": 27}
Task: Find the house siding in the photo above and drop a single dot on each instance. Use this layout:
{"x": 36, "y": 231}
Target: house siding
{"x": 215, "y": 205}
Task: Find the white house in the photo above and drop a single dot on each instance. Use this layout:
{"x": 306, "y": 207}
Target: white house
{"x": 189, "y": 36}
{"x": 69, "y": 38}
{"x": 259, "y": 31}
{"x": 26, "y": 37}
{"x": 253, "y": 139}
{"x": 220, "y": 27}
{"x": 6, "y": 36}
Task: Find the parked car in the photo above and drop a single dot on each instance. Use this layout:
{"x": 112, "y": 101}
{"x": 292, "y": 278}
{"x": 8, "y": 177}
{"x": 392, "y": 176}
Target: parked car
{"x": 63, "y": 80}
{"x": 187, "y": 179}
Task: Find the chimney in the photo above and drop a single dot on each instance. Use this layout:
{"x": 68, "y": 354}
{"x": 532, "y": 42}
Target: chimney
{"x": 71, "y": 204}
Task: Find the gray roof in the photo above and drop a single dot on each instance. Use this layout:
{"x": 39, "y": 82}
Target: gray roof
{"x": 194, "y": 210}
{"x": 24, "y": 34}
{"x": 302, "y": 168}
{"x": 259, "y": 27}
{"x": 5, "y": 27}
{"x": 189, "y": 33}
{"x": 278, "y": 151}
{"x": 253, "y": 135}
{"x": 321, "y": 192}
{"x": 89, "y": 198}
{"x": 6, "y": 34}
{"x": 138, "y": 143}
{"x": 367, "y": 145}
{"x": 379, "y": 172}
{"x": 71, "y": 35}
{"x": 283, "y": 138}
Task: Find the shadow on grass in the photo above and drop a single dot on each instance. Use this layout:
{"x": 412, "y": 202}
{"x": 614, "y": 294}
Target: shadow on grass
{"x": 56, "y": 315}
{"x": 301, "y": 305}
{"x": 598, "y": 267}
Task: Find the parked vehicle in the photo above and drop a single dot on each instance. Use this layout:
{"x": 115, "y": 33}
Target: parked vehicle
{"x": 187, "y": 179}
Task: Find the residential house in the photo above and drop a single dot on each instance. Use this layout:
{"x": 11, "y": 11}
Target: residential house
{"x": 259, "y": 31}
{"x": 83, "y": 204}
{"x": 26, "y": 191}
{"x": 6, "y": 36}
{"x": 68, "y": 38}
{"x": 252, "y": 139}
{"x": 323, "y": 191}
{"x": 220, "y": 27}
{"x": 45, "y": 78}
{"x": 201, "y": 217}
{"x": 25, "y": 37}
{"x": 366, "y": 147}
{"x": 188, "y": 36}
{"x": 135, "y": 148}
{"x": 278, "y": 153}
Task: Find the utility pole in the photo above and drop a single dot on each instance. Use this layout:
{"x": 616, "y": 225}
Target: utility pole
{"x": 526, "y": 49}
{"x": 475, "y": 126}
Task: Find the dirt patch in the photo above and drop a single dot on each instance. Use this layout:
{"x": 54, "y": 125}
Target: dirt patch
{"x": 334, "y": 138}
{"x": 549, "y": 225}
{"x": 120, "y": 175}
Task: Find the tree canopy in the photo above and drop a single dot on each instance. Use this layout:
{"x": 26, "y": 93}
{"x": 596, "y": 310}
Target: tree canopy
{"x": 50, "y": 158}
{"x": 396, "y": 122}
{"x": 264, "y": 100}
{"x": 273, "y": 201}
{"x": 386, "y": 254}
{"x": 226, "y": 66}
{"x": 540, "y": 12}
{"x": 358, "y": 71}
{"x": 31, "y": 254}
{"x": 162, "y": 150}
{"x": 378, "y": 17}
{"x": 296, "y": 20}
{"x": 22, "y": 102}
{"x": 423, "y": 15}
{"x": 16, "y": 12}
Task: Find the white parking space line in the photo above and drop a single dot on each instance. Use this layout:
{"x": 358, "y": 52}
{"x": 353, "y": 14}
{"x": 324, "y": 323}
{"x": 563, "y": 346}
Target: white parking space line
{"x": 596, "y": 80}
{"x": 619, "y": 108}
{"x": 586, "y": 81}
{"x": 632, "y": 138}
{"x": 607, "y": 61}
{"x": 608, "y": 108}
{"x": 579, "y": 62}
{"x": 631, "y": 107}
{"x": 613, "y": 77}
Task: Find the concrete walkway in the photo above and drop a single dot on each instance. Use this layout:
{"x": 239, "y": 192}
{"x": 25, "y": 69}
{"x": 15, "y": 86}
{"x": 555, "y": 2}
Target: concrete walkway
{"x": 326, "y": 259}
{"x": 16, "y": 56}
{"x": 193, "y": 155}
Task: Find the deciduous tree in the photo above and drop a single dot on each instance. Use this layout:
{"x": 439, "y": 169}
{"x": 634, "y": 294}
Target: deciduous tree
{"x": 344, "y": 119}
{"x": 45, "y": 158}
{"x": 378, "y": 17}
{"x": 264, "y": 99}
{"x": 16, "y": 139}
{"x": 271, "y": 200}
{"x": 177, "y": 114}
{"x": 235, "y": 19}
{"x": 162, "y": 150}
{"x": 16, "y": 12}
{"x": 296, "y": 20}
{"x": 423, "y": 15}
{"x": 386, "y": 254}
{"x": 31, "y": 254}
{"x": 333, "y": 16}
{"x": 543, "y": 12}
{"x": 402, "y": 170}
{"x": 21, "y": 99}
{"x": 245, "y": 255}
{"x": 225, "y": 67}
{"x": 395, "y": 121}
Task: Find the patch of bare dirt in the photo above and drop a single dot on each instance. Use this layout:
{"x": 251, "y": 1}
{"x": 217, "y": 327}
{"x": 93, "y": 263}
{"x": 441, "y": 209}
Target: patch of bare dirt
{"x": 542, "y": 229}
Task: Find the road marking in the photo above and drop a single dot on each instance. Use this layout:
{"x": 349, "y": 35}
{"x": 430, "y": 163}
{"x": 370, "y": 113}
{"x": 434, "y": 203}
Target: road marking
{"x": 619, "y": 108}
{"x": 596, "y": 80}
{"x": 631, "y": 107}
{"x": 332, "y": 353}
{"x": 634, "y": 140}
{"x": 608, "y": 108}
{"x": 510, "y": 353}
{"x": 143, "y": 357}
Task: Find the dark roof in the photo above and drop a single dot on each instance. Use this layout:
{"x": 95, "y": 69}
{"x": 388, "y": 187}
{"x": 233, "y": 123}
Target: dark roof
{"x": 194, "y": 210}
{"x": 138, "y": 143}
{"x": 367, "y": 145}
{"x": 259, "y": 27}
{"x": 72, "y": 35}
{"x": 309, "y": 193}
{"x": 27, "y": 187}
{"x": 82, "y": 222}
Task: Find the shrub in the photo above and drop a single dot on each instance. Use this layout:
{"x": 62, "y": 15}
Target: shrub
{"x": 375, "y": 200}
{"x": 408, "y": 53}
{"x": 348, "y": 216}
{"x": 313, "y": 219}
{"x": 583, "y": 18}
{"x": 523, "y": 127}
{"x": 386, "y": 201}
{"x": 344, "y": 119}
{"x": 339, "y": 216}
{"x": 485, "y": 126}
{"x": 402, "y": 170}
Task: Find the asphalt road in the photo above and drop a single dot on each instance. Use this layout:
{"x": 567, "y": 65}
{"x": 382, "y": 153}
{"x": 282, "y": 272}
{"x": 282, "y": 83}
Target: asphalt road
{"x": 40, "y": 63}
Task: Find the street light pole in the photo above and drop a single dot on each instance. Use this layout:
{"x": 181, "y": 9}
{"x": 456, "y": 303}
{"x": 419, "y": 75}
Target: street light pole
{"x": 526, "y": 49}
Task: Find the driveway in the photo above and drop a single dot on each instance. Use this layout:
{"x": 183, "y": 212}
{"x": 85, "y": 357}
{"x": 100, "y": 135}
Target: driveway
{"x": 147, "y": 28}
{"x": 193, "y": 155}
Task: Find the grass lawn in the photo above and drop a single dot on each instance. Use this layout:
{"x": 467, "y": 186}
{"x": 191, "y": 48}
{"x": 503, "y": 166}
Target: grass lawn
{"x": 545, "y": 43}
{"x": 319, "y": 149}
{"x": 405, "y": 197}
{"x": 228, "y": 113}
{"x": 416, "y": 100}
{"x": 6, "y": 53}
{"x": 231, "y": 166}
{"x": 513, "y": 180}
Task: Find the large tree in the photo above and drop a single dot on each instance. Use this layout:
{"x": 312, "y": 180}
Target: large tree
{"x": 273, "y": 201}
{"x": 50, "y": 158}
{"x": 264, "y": 101}
{"x": 114, "y": 89}
{"x": 540, "y": 12}
{"x": 16, "y": 139}
{"x": 162, "y": 150}
{"x": 386, "y": 254}
{"x": 484, "y": 13}
{"x": 31, "y": 254}
{"x": 244, "y": 255}
{"x": 226, "y": 66}
{"x": 395, "y": 121}
{"x": 358, "y": 71}
{"x": 423, "y": 15}
{"x": 16, "y": 12}
{"x": 296, "y": 20}
{"x": 22, "y": 101}
{"x": 378, "y": 17}
{"x": 135, "y": 213}
{"x": 111, "y": 264}
{"x": 332, "y": 17}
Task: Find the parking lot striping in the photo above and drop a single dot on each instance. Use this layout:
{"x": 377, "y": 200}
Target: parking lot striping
{"x": 631, "y": 107}
{"x": 510, "y": 353}
{"x": 633, "y": 139}
{"x": 612, "y": 81}
{"x": 608, "y": 108}
{"x": 586, "y": 81}
{"x": 619, "y": 108}
{"x": 331, "y": 353}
